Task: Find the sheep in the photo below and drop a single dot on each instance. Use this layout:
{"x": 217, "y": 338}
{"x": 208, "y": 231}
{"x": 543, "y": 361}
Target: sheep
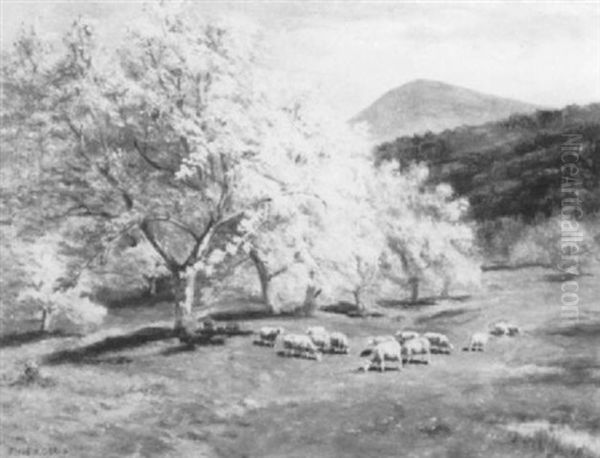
{"x": 300, "y": 345}
{"x": 418, "y": 346}
{"x": 499, "y": 328}
{"x": 316, "y": 330}
{"x": 373, "y": 342}
{"x": 439, "y": 342}
{"x": 504, "y": 328}
{"x": 338, "y": 343}
{"x": 389, "y": 350}
{"x": 319, "y": 336}
{"x": 405, "y": 336}
{"x": 513, "y": 330}
{"x": 268, "y": 335}
{"x": 478, "y": 341}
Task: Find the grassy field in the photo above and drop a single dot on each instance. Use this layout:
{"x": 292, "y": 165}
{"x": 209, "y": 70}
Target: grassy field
{"x": 535, "y": 395}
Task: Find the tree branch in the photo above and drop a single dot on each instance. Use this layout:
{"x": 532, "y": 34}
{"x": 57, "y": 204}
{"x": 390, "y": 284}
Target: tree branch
{"x": 174, "y": 222}
{"x": 142, "y": 152}
{"x": 226, "y": 220}
{"x": 86, "y": 211}
{"x": 278, "y": 272}
{"x": 105, "y": 170}
{"x": 171, "y": 263}
{"x": 200, "y": 241}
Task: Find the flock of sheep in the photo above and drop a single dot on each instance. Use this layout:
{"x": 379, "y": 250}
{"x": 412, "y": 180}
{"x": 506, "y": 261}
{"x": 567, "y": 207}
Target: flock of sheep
{"x": 403, "y": 347}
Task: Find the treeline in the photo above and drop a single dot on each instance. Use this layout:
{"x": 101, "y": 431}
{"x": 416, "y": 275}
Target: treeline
{"x": 509, "y": 168}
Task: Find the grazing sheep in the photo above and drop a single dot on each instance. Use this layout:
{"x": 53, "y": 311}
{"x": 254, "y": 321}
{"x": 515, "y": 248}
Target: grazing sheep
{"x": 374, "y": 341}
{"x": 504, "y": 328}
{"x": 389, "y": 350}
{"x": 300, "y": 345}
{"x": 418, "y": 346}
{"x": 439, "y": 342}
{"x": 319, "y": 336}
{"x": 316, "y": 330}
{"x": 405, "y": 336}
{"x": 209, "y": 325}
{"x": 513, "y": 330}
{"x": 499, "y": 328}
{"x": 268, "y": 335}
{"x": 478, "y": 341}
{"x": 338, "y": 343}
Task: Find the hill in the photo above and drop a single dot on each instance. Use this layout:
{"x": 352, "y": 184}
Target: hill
{"x": 424, "y": 105}
{"x": 510, "y": 167}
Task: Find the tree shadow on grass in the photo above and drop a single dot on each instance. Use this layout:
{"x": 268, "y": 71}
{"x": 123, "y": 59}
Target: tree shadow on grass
{"x": 90, "y": 353}
{"x": 21, "y": 338}
{"x": 351, "y": 310}
{"x": 422, "y": 302}
{"x": 249, "y": 314}
{"x": 466, "y": 313}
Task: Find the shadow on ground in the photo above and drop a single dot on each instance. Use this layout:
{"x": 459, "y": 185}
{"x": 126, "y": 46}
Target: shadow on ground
{"x": 424, "y": 301}
{"x": 465, "y": 314}
{"x": 90, "y": 353}
{"x": 351, "y": 310}
{"x": 21, "y": 338}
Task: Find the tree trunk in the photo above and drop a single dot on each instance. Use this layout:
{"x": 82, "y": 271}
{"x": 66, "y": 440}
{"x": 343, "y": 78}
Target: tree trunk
{"x": 310, "y": 300}
{"x": 184, "y": 298}
{"x": 45, "y": 322}
{"x": 446, "y": 289}
{"x": 414, "y": 289}
{"x": 360, "y": 306}
{"x": 265, "y": 278}
{"x": 153, "y": 282}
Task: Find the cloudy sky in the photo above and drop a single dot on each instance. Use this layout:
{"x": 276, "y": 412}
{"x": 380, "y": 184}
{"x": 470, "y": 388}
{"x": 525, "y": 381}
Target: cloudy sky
{"x": 545, "y": 53}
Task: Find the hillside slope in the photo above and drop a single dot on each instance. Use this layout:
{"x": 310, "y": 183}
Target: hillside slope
{"x": 424, "y": 105}
{"x": 511, "y": 167}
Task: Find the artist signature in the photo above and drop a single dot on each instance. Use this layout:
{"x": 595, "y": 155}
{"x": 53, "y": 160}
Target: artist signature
{"x": 37, "y": 451}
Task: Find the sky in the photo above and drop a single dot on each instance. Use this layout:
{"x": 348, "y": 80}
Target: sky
{"x": 547, "y": 53}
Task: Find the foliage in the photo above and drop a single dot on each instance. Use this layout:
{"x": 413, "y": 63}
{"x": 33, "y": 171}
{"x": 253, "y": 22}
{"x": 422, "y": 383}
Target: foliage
{"x": 44, "y": 268}
{"x": 428, "y": 240}
{"x": 512, "y": 242}
{"x": 510, "y": 167}
{"x": 180, "y": 136}
{"x": 180, "y": 154}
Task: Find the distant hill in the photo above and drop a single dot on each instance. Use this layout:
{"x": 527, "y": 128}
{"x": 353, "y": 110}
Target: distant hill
{"x": 510, "y": 167}
{"x": 424, "y": 105}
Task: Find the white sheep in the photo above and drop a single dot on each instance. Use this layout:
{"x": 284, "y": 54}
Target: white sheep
{"x": 374, "y": 341}
{"x": 268, "y": 335}
{"x": 504, "y": 328}
{"x": 319, "y": 336}
{"x": 499, "y": 328}
{"x": 418, "y": 346}
{"x": 439, "y": 342}
{"x": 405, "y": 336}
{"x": 478, "y": 341}
{"x": 389, "y": 350}
{"x": 513, "y": 330}
{"x": 316, "y": 330}
{"x": 300, "y": 345}
{"x": 338, "y": 343}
